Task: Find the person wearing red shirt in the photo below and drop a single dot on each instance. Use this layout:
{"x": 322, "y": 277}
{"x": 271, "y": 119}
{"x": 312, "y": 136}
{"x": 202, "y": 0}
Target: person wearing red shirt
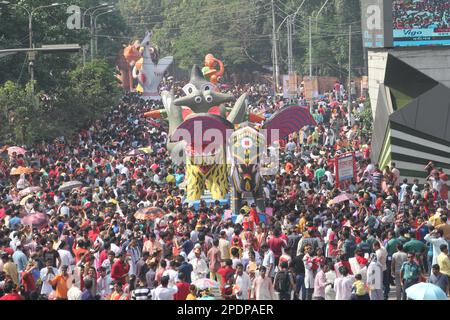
{"x": 119, "y": 269}
{"x": 254, "y": 217}
{"x": 276, "y": 243}
{"x": 79, "y": 250}
{"x": 10, "y": 292}
{"x": 104, "y": 253}
{"x": 27, "y": 280}
{"x": 94, "y": 231}
{"x": 183, "y": 287}
{"x": 225, "y": 272}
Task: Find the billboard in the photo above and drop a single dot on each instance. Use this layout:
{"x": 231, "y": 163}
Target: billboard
{"x": 405, "y": 23}
{"x": 345, "y": 169}
{"x": 421, "y": 23}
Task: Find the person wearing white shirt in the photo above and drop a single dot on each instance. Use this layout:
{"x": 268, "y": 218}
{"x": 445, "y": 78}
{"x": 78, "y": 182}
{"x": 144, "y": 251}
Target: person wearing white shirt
{"x": 171, "y": 273}
{"x": 191, "y": 254}
{"x": 309, "y": 272}
{"x": 117, "y": 250}
{"x": 375, "y": 279}
{"x": 329, "y": 176}
{"x": 66, "y": 257}
{"x": 103, "y": 284}
{"x": 381, "y": 254}
{"x": 199, "y": 266}
{"x": 163, "y": 292}
{"x": 343, "y": 285}
{"x": 436, "y": 238}
{"x": 402, "y": 192}
{"x": 263, "y": 286}
{"x": 268, "y": 260}
{"x": 242, "y": 280}
{"x": 330, "y": 293}
{"x": 47, "y": 274}
{"x": 74, "y": 293}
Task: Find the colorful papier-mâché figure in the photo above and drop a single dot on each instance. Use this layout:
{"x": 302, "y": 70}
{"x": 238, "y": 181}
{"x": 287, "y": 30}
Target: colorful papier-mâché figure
{"x": 246, "y": 148}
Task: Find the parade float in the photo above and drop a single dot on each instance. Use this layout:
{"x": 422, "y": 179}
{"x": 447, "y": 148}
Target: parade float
{"x": 223, "y": 148}
{"x": 141, "y": 61}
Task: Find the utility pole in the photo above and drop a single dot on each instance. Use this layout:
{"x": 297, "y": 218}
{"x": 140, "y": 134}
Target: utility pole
{"x": 92, "y": 37}
{"x": 275, "y": 52}
{"x": 349, "y": 74}
{"x": 310, "y": 48}
{"x": 31, "y": 55}
{"x": 289, "y": 34}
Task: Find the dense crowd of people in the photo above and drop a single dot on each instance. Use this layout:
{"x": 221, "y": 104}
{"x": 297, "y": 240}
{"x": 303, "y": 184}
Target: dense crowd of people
{"x": 308, "y": 245}
{"x": 423, "y": 14}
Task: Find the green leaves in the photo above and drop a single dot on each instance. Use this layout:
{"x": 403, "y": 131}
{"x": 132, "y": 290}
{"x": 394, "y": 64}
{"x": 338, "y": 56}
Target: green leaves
{"x": 90, "y": 93}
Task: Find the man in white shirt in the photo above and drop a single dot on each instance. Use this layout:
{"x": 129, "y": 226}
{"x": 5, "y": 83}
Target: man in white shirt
{"x": 381, "y": 254}
{"x": 263, "y": 286}
{"x": 375, "y": 279}
{"x": 74, "y": 293}
{"x": 65, "y": 255}
{"x": 103, "y": 283}
{"x": 343, "y": 285}
{"x": 163, "y": 292}
{"x": 171, "y": 273}
{"x": 47, "y": 274}
{"x": 268, "y": 260}
{"x": 199, "y": 266}
{"x": 242, "y": 280}
{"x": 436, "y": 238}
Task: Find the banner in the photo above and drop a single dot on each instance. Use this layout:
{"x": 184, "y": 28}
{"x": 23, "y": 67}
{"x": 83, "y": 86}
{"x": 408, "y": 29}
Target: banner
{"x": 345, "y": 168}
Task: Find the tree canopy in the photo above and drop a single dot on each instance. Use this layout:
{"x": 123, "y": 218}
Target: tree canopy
{"x": 239, "y": 32}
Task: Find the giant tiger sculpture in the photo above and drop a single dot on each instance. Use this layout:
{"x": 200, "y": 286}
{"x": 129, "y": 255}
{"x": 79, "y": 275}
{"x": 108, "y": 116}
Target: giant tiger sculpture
{"x": 247, "y": 144}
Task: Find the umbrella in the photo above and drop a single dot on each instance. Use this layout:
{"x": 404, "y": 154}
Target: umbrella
{"x": 17, "y": 150}
{"x": 18, "y": 171}
{"x": 149, "y": 213}
{"x": 28, "y": 191}
{"x": 38, "y": 219}
{"x": 342, "y": 197}
{"x": 146, "y": 150}
{"x": 205, "y": 283}
{"x": 25, "y": 199}
{"x": 67, "y": 186}
{"x": 425, "y": 291}
{"x": 135, "y": 153}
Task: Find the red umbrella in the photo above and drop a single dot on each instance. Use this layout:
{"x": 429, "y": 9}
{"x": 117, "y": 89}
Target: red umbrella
{"x": 149, "y": 213}
{"x": 38, "y": 220}
{"x": 342, "y": 197}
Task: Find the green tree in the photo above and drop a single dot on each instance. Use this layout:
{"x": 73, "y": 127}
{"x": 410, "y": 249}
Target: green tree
{"x": 17, "y": 110}
{"x": 90, "y": 93}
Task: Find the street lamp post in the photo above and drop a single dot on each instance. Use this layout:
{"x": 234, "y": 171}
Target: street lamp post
{"x": 92, "y": 25}
{"x": 31, "y": 54}
{"x": 83, "y": 26}
{"x": 95, "y": 28}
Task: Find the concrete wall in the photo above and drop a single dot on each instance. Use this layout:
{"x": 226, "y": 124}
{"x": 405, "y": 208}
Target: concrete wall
{"x": 432, "y": 61}
{"x": 377, "y": 69}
